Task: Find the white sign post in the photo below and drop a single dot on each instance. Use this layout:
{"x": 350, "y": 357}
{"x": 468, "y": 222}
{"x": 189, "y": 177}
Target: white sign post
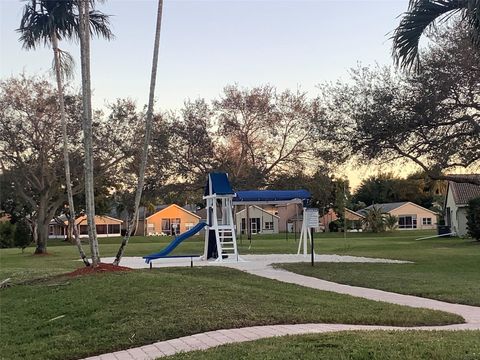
{"x": 310, "y": 222}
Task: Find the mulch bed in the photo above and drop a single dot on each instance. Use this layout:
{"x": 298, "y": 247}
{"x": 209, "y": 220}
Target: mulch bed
{"x": 101, "y": 268}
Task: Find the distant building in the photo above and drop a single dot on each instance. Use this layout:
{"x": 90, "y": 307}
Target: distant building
{"x": 106, "y": 226}
{"x": 410, "y": 215}
{"x": 456, "y": 205}
{"x": 256, "y": 219}
{"x": 354, "y": 219}
{"x": 171, "y": 220}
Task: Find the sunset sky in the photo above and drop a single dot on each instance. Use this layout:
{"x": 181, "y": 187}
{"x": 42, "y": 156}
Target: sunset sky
{"x": 206, "y": 45}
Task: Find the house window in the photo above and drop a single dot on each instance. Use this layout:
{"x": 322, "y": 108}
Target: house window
{"x": 268, "y": 225}
{"x": 101, "y": 229}
{"x": 189, "y": 226}
{"x": 427, "y": 221}
{"x": 114, "y": 228}
{"x": 166, "y": 226}
{"x": 407, "y": 222}
{"x": 83, "y": 229}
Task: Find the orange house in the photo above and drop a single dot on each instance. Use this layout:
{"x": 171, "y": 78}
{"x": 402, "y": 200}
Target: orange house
{"x": 172, "y": 220}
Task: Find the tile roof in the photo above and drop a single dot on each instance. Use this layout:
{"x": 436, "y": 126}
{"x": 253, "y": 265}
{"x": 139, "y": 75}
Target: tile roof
{"x": 464, "y": 192}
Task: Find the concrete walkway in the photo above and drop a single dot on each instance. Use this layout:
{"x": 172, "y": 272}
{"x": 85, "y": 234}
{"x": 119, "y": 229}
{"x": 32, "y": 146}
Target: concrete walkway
{"x": 261, "y": 266}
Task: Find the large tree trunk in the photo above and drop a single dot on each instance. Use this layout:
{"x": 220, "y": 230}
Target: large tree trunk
{"x": 42, "y": 237}
{"x": 148, "y": 131}
{"x": 66, "y": 158}
{"x": 42, "y": 224}
{"x": 87, "y": 128}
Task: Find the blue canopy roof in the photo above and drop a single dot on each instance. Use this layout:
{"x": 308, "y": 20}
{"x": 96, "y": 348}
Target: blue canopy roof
{"x": 271, "y": 195}
{"x": 219, "y": 183}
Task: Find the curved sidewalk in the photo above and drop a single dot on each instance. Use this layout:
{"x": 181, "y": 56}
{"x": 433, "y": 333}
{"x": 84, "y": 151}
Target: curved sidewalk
{"x": 471, "y": 314}
{"x": 210, "y": 339}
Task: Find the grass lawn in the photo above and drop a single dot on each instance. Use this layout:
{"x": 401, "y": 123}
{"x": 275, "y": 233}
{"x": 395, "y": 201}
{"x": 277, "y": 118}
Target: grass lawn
{"x": 443, "y": 269}
{"x": 113, "y": 311}
{"x": 374, "y": 345}
{"x": 68, "y": 318}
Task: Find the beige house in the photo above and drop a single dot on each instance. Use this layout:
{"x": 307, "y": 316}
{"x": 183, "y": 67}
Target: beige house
{"x": 106, "y": 226}
{"x": 456, "y": 205}
{"x": 258, "y": 220}
{"x": 410, "y": 215}
{"x": 172, "y": 220}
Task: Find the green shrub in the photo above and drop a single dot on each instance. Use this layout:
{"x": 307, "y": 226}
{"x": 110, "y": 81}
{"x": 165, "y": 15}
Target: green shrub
{"x": 334, "y": 226}
{"x": 6, "y": 234}
{"x": 22, "y": 236}
{"x": 473, "y": 218}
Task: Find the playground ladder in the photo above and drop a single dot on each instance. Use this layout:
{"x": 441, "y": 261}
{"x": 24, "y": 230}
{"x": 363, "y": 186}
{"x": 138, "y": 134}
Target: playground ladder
{"x": 226, "y": 242}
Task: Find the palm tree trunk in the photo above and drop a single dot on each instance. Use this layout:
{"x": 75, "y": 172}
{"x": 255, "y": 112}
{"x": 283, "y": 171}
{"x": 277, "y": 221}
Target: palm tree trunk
{"x": 87, "y": 128}
{"x": 148, "y": 131}
{"x": 66, "y": 158}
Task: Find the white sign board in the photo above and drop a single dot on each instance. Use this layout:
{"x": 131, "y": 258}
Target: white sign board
{"x": 311, "y": 217}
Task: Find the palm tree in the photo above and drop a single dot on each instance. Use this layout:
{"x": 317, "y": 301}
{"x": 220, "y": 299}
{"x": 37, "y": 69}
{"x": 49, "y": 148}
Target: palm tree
{"x": 48, "y": 22}
{"x": 391, "y": 222}
{"x": 375, "y": 219}
{"x": 422, "y": 15}
{"x": 84, "y": 17}
{"x": 146, "y": 142}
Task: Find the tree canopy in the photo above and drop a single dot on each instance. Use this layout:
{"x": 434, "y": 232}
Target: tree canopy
{"x": 431, "y": 118}
{"x": 31, "y": 150}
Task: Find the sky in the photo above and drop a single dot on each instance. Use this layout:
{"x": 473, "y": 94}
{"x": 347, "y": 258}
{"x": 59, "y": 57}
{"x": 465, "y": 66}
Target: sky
{"x": 206, "y": 45}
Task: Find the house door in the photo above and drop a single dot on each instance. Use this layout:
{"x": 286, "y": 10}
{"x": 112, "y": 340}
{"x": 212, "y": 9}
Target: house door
{"x": 255, "y": 225}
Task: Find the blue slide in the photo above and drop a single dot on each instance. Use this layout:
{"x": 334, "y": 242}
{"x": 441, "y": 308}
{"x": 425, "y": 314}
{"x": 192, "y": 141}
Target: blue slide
{"x": 175, "y": 242}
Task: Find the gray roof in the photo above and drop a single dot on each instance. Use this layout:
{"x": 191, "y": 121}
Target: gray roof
{"x": 203, "y": 213}
{"x": 384, "y": 207}
{"x": 464, "y": 192}
{"x": 143, "y": 212}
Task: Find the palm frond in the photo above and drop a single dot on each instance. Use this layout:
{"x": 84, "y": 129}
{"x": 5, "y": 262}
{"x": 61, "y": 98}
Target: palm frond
{"x": 66, "y": 63}
{"x": 100, "y": 25}
{"x": 472, "y": 18}
{"x": 421, "y": 14}
{"x": 42, "y": 18}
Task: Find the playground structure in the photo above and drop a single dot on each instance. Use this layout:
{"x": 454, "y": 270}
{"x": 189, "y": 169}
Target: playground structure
{"x": 220, "y": 235}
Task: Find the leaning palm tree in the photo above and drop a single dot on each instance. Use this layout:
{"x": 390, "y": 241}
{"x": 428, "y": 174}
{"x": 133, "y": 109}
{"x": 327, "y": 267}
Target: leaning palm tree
{"x": 146, "y": 141}
{"x": 47, "y": 22}
{"x": 422, "y": 15}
